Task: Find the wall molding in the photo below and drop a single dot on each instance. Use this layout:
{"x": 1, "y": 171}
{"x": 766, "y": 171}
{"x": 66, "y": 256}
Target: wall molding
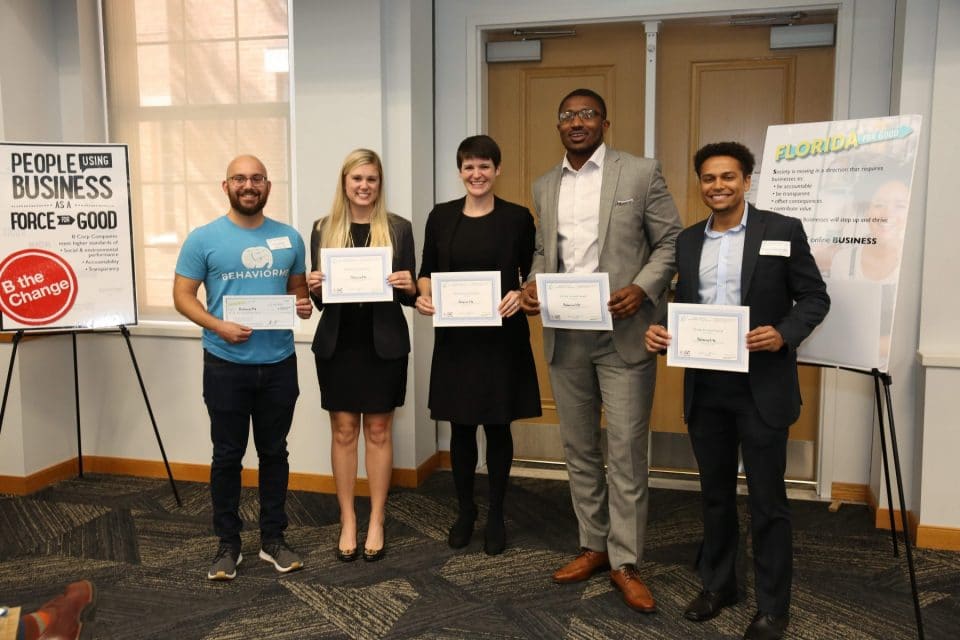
{"x": 188, "y": 472}
{"x": 946, "y": 538}
{"x": 850, "y": 492}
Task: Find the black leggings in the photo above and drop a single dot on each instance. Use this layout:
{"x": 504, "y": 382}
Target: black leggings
{"x": 463, "y": 460}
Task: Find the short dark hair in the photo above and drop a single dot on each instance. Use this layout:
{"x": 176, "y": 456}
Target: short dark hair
{"x": 732, "y": 149}
{"x": 586, "y": 93}
{"x": 483, "y": 147}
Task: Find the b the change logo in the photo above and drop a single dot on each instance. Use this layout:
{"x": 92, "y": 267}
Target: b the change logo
{"x": 37, "y": 287}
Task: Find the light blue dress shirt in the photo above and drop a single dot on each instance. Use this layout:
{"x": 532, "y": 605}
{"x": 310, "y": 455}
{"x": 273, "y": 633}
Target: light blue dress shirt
{"x": 721, "y": 262}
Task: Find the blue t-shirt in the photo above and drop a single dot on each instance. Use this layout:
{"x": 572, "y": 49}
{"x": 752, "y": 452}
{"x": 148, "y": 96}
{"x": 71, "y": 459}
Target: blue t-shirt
{"x": 233, "y": 260}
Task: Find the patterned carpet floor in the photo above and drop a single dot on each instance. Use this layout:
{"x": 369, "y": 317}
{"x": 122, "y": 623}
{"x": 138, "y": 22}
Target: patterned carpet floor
{"x": 148, "y": 559}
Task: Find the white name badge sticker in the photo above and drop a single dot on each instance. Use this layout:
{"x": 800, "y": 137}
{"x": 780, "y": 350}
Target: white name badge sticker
{"x": 775, "y": 248}
{"x": 283, "y": 242}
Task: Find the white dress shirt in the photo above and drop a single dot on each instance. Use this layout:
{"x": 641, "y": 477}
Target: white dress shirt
{"x": 578, "y": 215}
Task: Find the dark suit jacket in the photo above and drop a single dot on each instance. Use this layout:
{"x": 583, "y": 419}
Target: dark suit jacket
{"x": 784, "y": 292}
{"x": 391, "y": 338}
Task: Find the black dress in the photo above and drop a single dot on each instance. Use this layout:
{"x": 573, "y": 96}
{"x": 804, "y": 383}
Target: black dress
{"x": 482, "y": 375}
{"x": 354, "y": 378}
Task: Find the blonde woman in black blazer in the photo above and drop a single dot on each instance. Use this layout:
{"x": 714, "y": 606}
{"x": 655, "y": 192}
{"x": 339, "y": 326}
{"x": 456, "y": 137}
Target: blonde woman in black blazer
{"x": 481, "y": 375}
{"x": 361, "y": 349}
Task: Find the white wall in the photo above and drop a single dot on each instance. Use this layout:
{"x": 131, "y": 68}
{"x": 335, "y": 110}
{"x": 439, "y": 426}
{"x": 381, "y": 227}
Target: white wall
{"x": 939, "y": 345}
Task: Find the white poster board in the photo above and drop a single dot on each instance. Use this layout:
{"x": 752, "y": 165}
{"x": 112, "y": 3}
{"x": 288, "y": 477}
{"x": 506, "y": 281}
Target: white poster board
{"x": 66, "y": 249}
{"x": 849, "y": 182}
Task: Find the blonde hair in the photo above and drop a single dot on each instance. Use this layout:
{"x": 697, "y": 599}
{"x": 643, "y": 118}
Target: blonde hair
{"x": 335, "y": 228}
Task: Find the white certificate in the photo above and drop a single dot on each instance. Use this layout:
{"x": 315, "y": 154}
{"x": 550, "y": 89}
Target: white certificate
{"x": 356, "y": 274}
{"x": 575, "y": 300}
{"x": 708, "y": 336}
{"x": 466, "y": 298}
{"x": 261, "y": 312}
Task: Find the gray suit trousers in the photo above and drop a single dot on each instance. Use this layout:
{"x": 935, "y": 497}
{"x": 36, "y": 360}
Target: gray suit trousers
{"x": 586, "y": 374}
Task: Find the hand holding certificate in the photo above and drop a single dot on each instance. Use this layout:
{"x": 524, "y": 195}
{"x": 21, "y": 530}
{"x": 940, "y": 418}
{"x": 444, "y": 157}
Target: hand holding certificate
{"x": 261, "y": 312}
{"x": 356, "y": 274}
{"x": 575, "y": 300}
{"x": 466, "y": 298}
{"x": 708, "y": 336}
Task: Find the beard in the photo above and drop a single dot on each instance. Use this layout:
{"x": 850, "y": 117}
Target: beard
{"x": 240, "y": 208}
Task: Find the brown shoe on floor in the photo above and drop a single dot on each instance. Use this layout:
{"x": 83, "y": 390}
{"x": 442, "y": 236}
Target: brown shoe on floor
{"x": 635, "y": 593}
{"x": 582, "y": 567}
{"x": 66, "y": 614}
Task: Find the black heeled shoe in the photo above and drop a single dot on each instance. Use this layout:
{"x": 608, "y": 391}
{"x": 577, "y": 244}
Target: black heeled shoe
{"x": 348, "y": 555}
{"x": 462, "y": 529}
{"x": 373, "y": 555}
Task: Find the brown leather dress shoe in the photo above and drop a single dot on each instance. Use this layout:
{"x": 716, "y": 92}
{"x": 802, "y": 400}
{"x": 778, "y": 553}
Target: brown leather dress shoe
{"x": 582, "y": 567}
{"x": 635, "y": 593}
{"x": 66, "y": 613}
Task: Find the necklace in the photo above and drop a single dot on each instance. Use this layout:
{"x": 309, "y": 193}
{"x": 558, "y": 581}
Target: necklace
{"x": 351, "y": 242}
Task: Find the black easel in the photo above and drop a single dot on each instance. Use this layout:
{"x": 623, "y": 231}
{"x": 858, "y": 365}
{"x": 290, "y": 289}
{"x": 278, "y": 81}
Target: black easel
{"x": 76, "y": 390}
{"x": 885, "y": 399}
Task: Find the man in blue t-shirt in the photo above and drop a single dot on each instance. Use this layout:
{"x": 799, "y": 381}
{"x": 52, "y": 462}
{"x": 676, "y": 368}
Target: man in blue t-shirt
{"x": 247, "y": 374}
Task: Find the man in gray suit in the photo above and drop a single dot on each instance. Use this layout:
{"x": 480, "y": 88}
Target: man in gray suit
{"x": 602, "y": 210}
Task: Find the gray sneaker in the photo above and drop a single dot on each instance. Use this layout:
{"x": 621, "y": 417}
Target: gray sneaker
{"x": 283, "y": 558}
{"x": 225, "y": 563}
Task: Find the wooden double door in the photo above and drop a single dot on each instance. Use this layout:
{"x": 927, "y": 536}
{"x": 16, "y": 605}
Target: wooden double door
{"x": 714, "y": 82}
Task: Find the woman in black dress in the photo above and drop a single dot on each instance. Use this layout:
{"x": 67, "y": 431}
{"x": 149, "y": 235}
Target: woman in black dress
{"x": 481, "y": 375}
{"x": 361, "y": 349}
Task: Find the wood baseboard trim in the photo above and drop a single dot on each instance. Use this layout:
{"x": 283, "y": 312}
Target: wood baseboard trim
{"x": 188, "y": 472}
{"x": 881, "y": 516}
{"x": 850, "y": 492}
{"x": 444, "y": 460}
{"x": 22, "y": 486}
{"x": 946, "y": 538}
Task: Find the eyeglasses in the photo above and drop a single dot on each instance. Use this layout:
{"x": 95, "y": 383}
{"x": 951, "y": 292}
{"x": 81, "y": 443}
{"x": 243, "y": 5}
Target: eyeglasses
{"x": 584, "y": 114}
{"x": 239, "y": 180}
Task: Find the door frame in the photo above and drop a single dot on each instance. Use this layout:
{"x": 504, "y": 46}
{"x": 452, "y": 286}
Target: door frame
{"x": 477, "y": 28}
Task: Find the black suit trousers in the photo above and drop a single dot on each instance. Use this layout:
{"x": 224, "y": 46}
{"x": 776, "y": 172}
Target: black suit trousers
{"x": 725, "y": 416}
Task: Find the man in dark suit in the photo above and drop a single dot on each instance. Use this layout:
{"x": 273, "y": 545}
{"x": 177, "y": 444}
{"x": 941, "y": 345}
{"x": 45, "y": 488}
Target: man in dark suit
{"x": 742, "y": 255}
{"x": 602, "y": 210}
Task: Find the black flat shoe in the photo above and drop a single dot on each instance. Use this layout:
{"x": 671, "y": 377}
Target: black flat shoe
{"x": 494, "y": 538}
{"x": 373, "y": 555}
{"x": 348, "y": 555}
{"x": 462, "y": 530}
{"x": 708, "y": 604}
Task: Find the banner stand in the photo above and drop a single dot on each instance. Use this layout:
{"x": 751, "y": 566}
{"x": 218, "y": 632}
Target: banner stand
{"x": 885, "y": 399}
{"x": 125, "y": 332}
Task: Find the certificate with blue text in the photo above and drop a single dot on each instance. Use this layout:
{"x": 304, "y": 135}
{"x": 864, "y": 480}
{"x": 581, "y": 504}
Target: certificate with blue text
{"x": 466, "y": 298}
{"x": 356, "y": 274}
{"x": 575, "y": 301}
{"x": 708, "y": 336}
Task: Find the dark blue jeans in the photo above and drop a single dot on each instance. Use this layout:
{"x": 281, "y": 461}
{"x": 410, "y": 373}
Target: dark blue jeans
{"x": 235, "y": 394}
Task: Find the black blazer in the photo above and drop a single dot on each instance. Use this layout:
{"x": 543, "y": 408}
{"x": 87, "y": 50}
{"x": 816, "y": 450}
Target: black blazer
{"x": 391, "y": 339}
{"x": 787, "y": 293}
{"x": 516, "y": 231}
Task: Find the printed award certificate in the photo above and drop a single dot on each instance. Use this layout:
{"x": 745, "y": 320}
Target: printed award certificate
{"x": 261, "y": 312}
{"x": 708, "y": 336}
{"x": 575, "y": 300}
{"x": 356, "y": 274}
{"x": 466, "y": 298}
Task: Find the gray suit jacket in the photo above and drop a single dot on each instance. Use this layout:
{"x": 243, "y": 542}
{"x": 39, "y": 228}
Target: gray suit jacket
{"x": 638, "y": 231}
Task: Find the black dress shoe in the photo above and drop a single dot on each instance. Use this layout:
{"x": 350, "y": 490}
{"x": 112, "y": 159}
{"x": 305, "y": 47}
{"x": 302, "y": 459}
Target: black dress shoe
{"x": 766, "y": 627}
{"x": 708, "y": 604}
